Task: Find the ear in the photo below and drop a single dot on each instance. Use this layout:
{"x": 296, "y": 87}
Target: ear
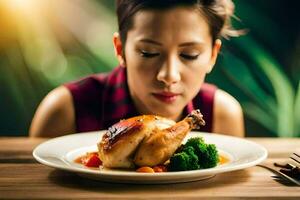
{"x": 118, "y": 48}
{"x": 215, "y": 51}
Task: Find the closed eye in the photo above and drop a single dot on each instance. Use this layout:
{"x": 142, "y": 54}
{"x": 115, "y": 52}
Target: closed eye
{"x": 148, "y": 54}
{"x": 189, "y": 57}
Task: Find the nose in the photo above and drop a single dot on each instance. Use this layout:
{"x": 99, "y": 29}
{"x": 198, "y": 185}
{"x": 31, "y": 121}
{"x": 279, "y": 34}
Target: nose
{"x": 169, "y": 73}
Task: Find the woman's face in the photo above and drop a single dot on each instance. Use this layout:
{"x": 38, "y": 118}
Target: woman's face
{"x": 167, "y": 55}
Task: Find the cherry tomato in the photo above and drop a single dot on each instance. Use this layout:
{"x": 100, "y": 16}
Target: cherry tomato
{"x": 160, "y": 168}
{"x": 92, "y": 160}
{"x": 145, "y": 169}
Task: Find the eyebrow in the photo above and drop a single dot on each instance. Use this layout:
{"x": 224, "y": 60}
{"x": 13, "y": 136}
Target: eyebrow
{"x": 160, "y": 44}
{"x": 151, "y": 42}
{"x": 190, "y": 44}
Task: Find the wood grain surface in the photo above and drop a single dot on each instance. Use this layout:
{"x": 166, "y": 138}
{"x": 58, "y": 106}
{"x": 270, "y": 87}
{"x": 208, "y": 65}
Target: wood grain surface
{"x": 21, "y": 177}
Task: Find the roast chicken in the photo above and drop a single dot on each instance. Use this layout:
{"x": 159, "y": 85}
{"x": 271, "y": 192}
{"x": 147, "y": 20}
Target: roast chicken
{"x": 145, "y": 140}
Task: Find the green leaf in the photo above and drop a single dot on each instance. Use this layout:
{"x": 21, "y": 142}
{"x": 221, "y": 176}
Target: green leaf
{"x": 282, "y": 87}
{"x": 297, "y": 112}
{"x": 259, "y": 115}
{"x": 237, "y": 70}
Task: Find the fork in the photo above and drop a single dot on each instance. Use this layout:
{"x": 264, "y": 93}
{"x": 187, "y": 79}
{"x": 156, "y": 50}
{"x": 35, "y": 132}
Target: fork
{"x": 288, "y": 171}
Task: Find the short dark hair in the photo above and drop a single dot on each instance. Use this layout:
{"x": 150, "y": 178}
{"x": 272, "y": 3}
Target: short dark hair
{"x": 218, "y": 14}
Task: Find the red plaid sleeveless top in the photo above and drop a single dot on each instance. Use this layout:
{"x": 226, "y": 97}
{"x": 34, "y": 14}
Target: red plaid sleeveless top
{"x": 101, "y": 100}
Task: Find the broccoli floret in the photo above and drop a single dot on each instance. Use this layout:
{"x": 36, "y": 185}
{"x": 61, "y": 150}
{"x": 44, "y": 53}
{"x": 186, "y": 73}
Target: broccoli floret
{"x": 210, "y": 157}
{"x": 178, "y": 162}
{"x": 193, "y": 158}
{"x": 194, "y": 141}
{"x": 198, "y": 144}
{"x": 185, "y": 160}
{"x": 207, "y": 153}
{"x": 195, "y": 154}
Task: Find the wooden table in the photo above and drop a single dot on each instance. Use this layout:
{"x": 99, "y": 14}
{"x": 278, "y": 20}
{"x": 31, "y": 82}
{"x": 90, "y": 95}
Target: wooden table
{"x": 21, "y": 177}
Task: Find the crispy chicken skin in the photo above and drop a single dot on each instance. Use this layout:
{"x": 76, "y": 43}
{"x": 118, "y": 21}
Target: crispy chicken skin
{"x": 146, "y": 140}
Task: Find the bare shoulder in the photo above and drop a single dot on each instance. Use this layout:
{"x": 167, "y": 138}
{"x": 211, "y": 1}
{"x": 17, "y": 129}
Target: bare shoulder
{"x": 228, "y": 115}
{"x": 55, "y": 115}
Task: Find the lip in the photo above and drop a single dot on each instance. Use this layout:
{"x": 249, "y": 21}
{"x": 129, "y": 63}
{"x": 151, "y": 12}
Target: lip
{"x": 166, "y": 97}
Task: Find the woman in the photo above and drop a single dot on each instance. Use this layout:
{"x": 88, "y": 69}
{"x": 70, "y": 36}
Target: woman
{"x": 165, "y": 50}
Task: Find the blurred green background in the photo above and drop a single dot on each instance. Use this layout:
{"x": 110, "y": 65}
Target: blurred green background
{"x": 44, "y": 43}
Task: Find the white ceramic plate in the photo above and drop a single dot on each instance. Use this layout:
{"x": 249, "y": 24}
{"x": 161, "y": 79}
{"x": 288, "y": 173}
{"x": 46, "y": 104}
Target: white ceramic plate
{"x": 61, "y": 152}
